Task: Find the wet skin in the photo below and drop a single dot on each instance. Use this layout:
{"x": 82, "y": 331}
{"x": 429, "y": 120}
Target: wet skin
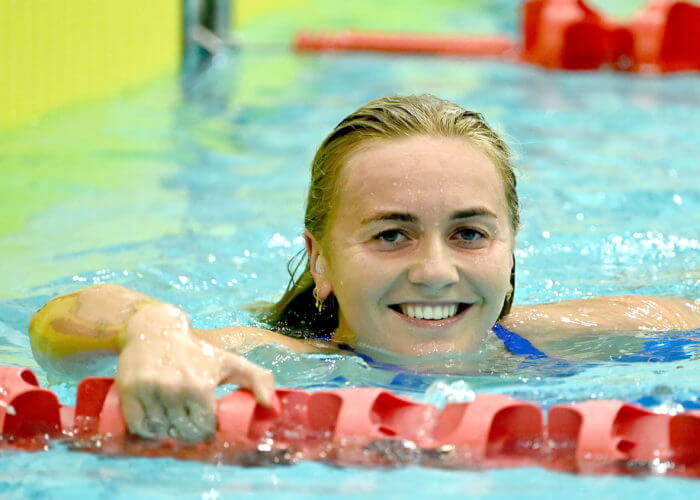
{"x": 418, "y": 254}
{"x": 419, "y": 221}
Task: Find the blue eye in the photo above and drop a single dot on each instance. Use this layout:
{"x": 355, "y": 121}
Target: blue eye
{"x": 390, "y": 236}
{"x": 468, "y": 234}
{"x": 391, "y": 239}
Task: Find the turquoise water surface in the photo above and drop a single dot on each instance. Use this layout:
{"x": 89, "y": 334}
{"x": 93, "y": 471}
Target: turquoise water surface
{"x": 200, "y": 204}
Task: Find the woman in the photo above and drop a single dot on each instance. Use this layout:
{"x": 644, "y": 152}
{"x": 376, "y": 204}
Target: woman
{"x": 410, "y": 225}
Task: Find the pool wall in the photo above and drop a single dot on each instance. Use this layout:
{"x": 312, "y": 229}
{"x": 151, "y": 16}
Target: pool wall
{"x": 65, "y": 51}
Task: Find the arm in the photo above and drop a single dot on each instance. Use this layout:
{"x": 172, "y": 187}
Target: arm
{"x": 90, "y": 323}
{"x": 166, "y": 373}
{"x": 619, "y": 313}
{"x": 83, "y": 325}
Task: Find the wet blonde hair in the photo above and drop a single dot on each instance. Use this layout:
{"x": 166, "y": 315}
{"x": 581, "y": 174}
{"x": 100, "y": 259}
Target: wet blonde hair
{"x": 386, "y": 118}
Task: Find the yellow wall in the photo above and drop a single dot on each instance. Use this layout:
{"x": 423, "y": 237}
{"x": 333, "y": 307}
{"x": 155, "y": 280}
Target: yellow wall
{"x": 247, "y": 11}
{"x": 55, "y": 52}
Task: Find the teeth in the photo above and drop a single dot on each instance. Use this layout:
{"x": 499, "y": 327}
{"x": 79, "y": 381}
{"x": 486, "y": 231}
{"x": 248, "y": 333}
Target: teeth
{"x": 429, "y": 312}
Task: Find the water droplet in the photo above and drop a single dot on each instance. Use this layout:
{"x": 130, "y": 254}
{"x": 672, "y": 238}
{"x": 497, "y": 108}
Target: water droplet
{"x": 278, "y": 240}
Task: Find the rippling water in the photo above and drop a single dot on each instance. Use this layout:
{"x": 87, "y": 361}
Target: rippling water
{"x": 201, "y": 204}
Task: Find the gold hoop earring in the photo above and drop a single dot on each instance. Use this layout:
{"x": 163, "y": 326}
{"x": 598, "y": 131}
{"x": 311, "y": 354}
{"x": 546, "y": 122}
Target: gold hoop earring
{"x": 319, "y": 302}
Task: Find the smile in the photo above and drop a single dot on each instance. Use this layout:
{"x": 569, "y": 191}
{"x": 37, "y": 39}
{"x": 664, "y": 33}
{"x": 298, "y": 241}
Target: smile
{"x": 432, "y": 315}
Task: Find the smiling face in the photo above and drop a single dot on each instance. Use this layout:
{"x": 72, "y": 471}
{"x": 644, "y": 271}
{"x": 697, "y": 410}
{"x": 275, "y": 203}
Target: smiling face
{"x": 419, "y": 246}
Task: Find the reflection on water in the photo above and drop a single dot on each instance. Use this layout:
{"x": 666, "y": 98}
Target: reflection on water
{"x": 609, "y": 198}
{"x": 201, "y": 205}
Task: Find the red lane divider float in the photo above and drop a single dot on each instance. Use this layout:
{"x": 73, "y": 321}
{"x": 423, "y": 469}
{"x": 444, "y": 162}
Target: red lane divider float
{"x": 474, "y": 46}
{"x": 365, "y": 426}
{"x": 25, "y": 408}
{"x": 558, "y": 34}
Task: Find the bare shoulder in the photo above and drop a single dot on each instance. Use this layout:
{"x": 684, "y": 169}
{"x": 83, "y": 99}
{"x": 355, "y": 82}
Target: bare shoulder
{"x": 616, "y": 313}
{"x": 243, "y": 338}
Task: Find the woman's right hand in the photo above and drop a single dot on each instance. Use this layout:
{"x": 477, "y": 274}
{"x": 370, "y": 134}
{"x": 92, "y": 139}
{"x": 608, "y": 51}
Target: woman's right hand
{"x": 167, "y": 377}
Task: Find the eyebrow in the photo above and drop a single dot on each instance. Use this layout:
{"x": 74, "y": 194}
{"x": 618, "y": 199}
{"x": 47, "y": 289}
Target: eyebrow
{"x": 473, "y": 212}
{"x": 412, "y": 219}
{"x": 391, "y": 216}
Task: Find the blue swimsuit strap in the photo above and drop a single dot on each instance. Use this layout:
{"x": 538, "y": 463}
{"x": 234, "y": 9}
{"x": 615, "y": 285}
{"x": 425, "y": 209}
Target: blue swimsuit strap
{"x": 347, "y": 347}
{"x": 516, "y": 344}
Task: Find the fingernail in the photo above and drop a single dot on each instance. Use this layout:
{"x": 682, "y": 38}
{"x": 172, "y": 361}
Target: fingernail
{"x": 264, "y": 398}
{"x": 269, "y": 400}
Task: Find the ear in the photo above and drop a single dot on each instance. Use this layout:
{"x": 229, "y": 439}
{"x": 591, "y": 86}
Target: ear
{"x": 318, "y": 265}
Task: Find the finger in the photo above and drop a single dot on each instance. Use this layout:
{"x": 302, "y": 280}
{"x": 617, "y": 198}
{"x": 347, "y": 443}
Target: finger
{"x": 134, "y": 416}
{"x": 242, "y": 372}
{"x": 155, "y": 420}
{"x": 263, "y": 386}
{"x": 202, "y": 417}
{"x": 180, "y": 426}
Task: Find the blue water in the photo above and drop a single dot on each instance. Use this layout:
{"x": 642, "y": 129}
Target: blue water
{"x": 201, "y": 204}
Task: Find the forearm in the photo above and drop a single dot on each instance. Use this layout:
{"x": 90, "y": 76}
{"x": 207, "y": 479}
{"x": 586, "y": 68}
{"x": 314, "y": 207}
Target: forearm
{"x": 166, "y": 375}
{"x": 76, "y": 328}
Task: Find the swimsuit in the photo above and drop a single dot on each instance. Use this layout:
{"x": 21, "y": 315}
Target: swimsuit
{"x": 516, "y": 344}
{"x": 661, "y": 348}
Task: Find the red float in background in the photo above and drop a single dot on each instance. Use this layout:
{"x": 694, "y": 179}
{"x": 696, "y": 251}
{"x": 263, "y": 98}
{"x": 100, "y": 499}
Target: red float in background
{"x": 558, "y": 34}
{"x": 563, "y": 34}
{"x": 568, "y": 34}
{"x": 475, "y": 46}
{"x": 666, "y": 36}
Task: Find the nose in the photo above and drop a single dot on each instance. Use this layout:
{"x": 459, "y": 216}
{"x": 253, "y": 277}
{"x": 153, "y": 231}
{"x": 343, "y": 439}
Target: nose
{"x": 433, "y": 266}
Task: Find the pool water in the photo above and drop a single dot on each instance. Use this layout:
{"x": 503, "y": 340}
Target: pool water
{"x": 200, "y": 204}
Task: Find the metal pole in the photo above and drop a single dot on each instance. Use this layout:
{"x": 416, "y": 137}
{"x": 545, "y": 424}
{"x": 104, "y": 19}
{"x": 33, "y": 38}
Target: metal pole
{"x": 206, "y": 26}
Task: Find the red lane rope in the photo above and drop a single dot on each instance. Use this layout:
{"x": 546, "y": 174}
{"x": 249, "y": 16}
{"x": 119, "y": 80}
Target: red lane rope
{"x": 486, "y": 46}
{"x": 371, "y": 425}
{"x": 558, "y": 34}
